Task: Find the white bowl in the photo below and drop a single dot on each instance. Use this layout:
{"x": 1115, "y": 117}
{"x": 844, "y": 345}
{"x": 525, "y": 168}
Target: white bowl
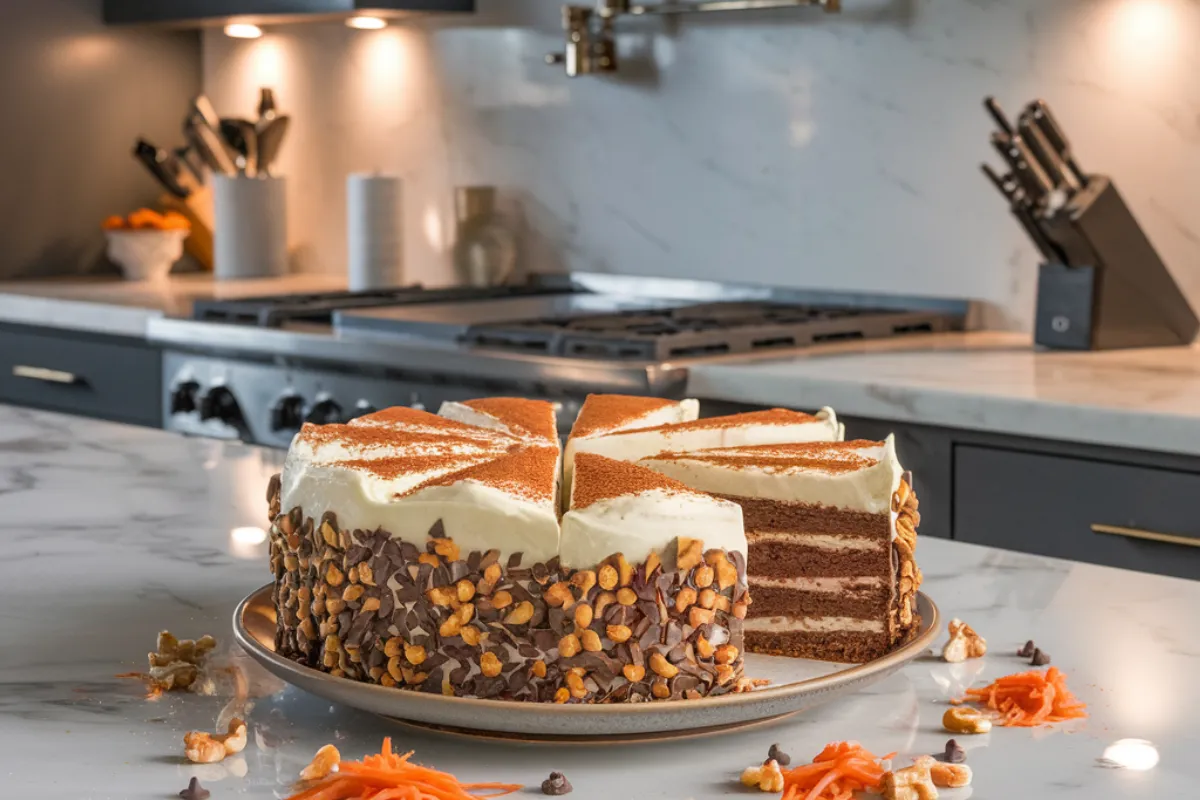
{"x": 147, "y": 254}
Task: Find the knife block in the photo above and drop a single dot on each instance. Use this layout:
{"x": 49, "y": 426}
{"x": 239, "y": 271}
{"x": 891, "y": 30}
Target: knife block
{"x": 1114, "y": 292}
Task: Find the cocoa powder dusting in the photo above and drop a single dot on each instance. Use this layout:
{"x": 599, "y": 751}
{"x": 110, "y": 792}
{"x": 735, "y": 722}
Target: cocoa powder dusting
{"x": 831, "y": 457}
{"x": 598, "y": 478}
{"x": 529, "y": 472}
{"x": 405, "y": 416}
{"x": 606, "y": 412}
{"x": 531, "y": 417}
{"x": 770, "y": 416}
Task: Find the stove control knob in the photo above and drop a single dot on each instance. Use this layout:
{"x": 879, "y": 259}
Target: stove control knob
{"x": 220, "y": 404}
{"x": 362, "y": 408}
{"x": 325, "y": 412}
{"x": 288, "y": 413}
{"x": 184, "y": 396}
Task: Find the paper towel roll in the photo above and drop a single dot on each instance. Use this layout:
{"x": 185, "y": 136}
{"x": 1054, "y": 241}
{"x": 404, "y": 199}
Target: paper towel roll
{"x": 250, "y": 236}
{"x": 373, "y": 231}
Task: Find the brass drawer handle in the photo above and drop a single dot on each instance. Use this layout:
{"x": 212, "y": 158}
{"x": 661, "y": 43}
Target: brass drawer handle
{"x": 1138, "y": 533}
{"x": 44, "y": 374}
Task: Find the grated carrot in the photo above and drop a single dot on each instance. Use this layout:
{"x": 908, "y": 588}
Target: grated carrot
{"x": 387, "y": 776}
{"x": 836, "y": 773}
{"x": 1029, "y": 699}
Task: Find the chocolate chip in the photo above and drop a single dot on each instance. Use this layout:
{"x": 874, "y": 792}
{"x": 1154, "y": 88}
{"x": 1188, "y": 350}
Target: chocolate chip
{"x": 1040, "y": 659}
{"x": 1027, "y": 650}
{"x": 195, "y": 791}
{"x": 514, "y": 560}
{"x": 780, "y": 757}
{"x": 556, "y": 784}
{"x": 437, "y": 530}
{"x": 954, "y": 754}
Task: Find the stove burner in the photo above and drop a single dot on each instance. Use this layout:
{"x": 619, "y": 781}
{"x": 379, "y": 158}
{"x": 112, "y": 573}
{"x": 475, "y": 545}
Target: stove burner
{"x": 274, "y": 311}
{"x": 703, "y": 330}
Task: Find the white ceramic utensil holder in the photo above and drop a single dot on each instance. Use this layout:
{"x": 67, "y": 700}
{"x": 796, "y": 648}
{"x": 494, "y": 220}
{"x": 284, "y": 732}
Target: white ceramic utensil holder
{"x": 250, "y": 236}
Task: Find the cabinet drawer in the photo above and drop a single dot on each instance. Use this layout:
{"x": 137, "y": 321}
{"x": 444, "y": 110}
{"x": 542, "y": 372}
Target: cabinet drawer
{"x": 90, "y": 376}
{"x": 1119, "y": 515}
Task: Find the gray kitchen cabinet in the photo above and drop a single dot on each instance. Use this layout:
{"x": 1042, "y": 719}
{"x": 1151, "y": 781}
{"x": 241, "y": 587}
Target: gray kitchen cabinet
{"x": 1110, "y": 513}
{"x": 92, "y": 375}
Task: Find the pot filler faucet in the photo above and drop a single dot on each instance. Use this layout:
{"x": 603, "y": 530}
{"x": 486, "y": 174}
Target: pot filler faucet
{"x": 591, "y": 41}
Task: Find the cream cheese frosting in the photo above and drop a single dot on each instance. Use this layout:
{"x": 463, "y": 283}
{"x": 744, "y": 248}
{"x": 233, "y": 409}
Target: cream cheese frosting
{"x": 618, "y": 507}
{"x": 604, "y": 414}
{"x": 516, "y": 416}
{"x": 774, "y": 426}
{"x": 856, "y": 476}
{"x": 491, "y": 491}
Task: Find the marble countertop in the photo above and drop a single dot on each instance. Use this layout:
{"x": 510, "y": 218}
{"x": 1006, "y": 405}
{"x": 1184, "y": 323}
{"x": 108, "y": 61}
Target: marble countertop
{"x": 113, "y": 533}
{"x": 122, "y": 308}
{"x": 1143, "y": 399}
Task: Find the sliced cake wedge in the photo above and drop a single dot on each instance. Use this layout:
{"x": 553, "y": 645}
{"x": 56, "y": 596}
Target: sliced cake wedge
{"x": 831, "y": 528}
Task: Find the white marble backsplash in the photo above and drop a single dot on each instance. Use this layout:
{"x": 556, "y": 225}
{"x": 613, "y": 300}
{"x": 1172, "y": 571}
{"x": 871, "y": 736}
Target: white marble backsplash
{"x": 791, "y": 147}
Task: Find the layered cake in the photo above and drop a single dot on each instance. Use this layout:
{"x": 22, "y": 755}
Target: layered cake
{"x": 426, "y": 552}
{"x": 831, "y": 528}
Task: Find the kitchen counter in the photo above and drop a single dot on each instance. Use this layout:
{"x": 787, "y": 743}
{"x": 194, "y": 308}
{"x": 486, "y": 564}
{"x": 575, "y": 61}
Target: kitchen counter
{"x": 113, "y": 533}
{"x": 123, "y": 308}
{"x": 987, "y": 381}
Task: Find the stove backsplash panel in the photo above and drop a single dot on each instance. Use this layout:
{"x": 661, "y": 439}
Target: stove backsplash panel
{"x": 792, "y": 147}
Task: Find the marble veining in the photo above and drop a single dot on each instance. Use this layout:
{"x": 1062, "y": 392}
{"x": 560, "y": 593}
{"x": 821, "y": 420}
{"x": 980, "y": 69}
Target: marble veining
{"x": 112, "y": 533}
{"x": 1141, "y": 399}
{"x": 790, "y": 147}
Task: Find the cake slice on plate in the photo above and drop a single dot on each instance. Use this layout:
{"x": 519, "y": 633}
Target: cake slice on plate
{"x": 771, "y": 426}
{"x": 831, "y": 528}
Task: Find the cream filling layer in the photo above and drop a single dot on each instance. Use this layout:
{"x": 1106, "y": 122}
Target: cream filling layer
{"x": 831, "y": 585}
{"x": 811, "y": 625}
{"x": 820, "y": 541}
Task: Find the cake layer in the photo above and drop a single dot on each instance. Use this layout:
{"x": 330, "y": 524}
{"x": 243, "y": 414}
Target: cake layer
{"x": 621, "y": 507}
{"x": 779, "y": 516}
{"x": 871, "y": 605}
{"x": 849, "y": 476}
{"x": 846, "y": 647}
{"x": 785, "y": 559}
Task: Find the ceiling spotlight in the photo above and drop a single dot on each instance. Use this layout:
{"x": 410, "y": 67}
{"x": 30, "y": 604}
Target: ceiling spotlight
{"x": 242, "y": 30}
{"x": 366, "y": 23}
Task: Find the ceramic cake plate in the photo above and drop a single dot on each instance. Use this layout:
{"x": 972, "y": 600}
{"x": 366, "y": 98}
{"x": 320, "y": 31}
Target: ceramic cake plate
{"x": 795, "y": 685}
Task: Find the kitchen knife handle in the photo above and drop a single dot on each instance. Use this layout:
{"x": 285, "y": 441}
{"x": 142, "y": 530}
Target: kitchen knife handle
{"x": 1049, "y": 159}
{"x": 1040, "y": 111}
{"x": 1153, "y": 536}
{"x": 998, "y": 115}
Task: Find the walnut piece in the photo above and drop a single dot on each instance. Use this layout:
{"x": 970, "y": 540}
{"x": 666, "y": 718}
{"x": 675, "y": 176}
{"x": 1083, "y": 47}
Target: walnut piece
{"x": 964, "y": 643}
{"x": 766, "y": 778}
{"x": 208, "y": 748}
{"x": 910, "y": 783}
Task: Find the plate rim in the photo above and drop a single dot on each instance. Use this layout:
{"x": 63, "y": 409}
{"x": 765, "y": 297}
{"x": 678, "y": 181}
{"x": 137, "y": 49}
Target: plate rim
{"x": 830, "y": 682}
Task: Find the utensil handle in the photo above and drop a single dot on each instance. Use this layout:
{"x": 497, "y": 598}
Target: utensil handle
{"x": 46, "y": 375}
{"x": 1138, "y": 533}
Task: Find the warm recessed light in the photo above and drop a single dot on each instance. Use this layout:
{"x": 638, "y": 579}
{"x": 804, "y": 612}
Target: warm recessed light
{"x": 366, "y": 23}
{"x": 243, "y": 30}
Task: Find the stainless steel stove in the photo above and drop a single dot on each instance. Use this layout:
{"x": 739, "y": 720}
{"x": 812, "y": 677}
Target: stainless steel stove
{"x": 256, "y": 369}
